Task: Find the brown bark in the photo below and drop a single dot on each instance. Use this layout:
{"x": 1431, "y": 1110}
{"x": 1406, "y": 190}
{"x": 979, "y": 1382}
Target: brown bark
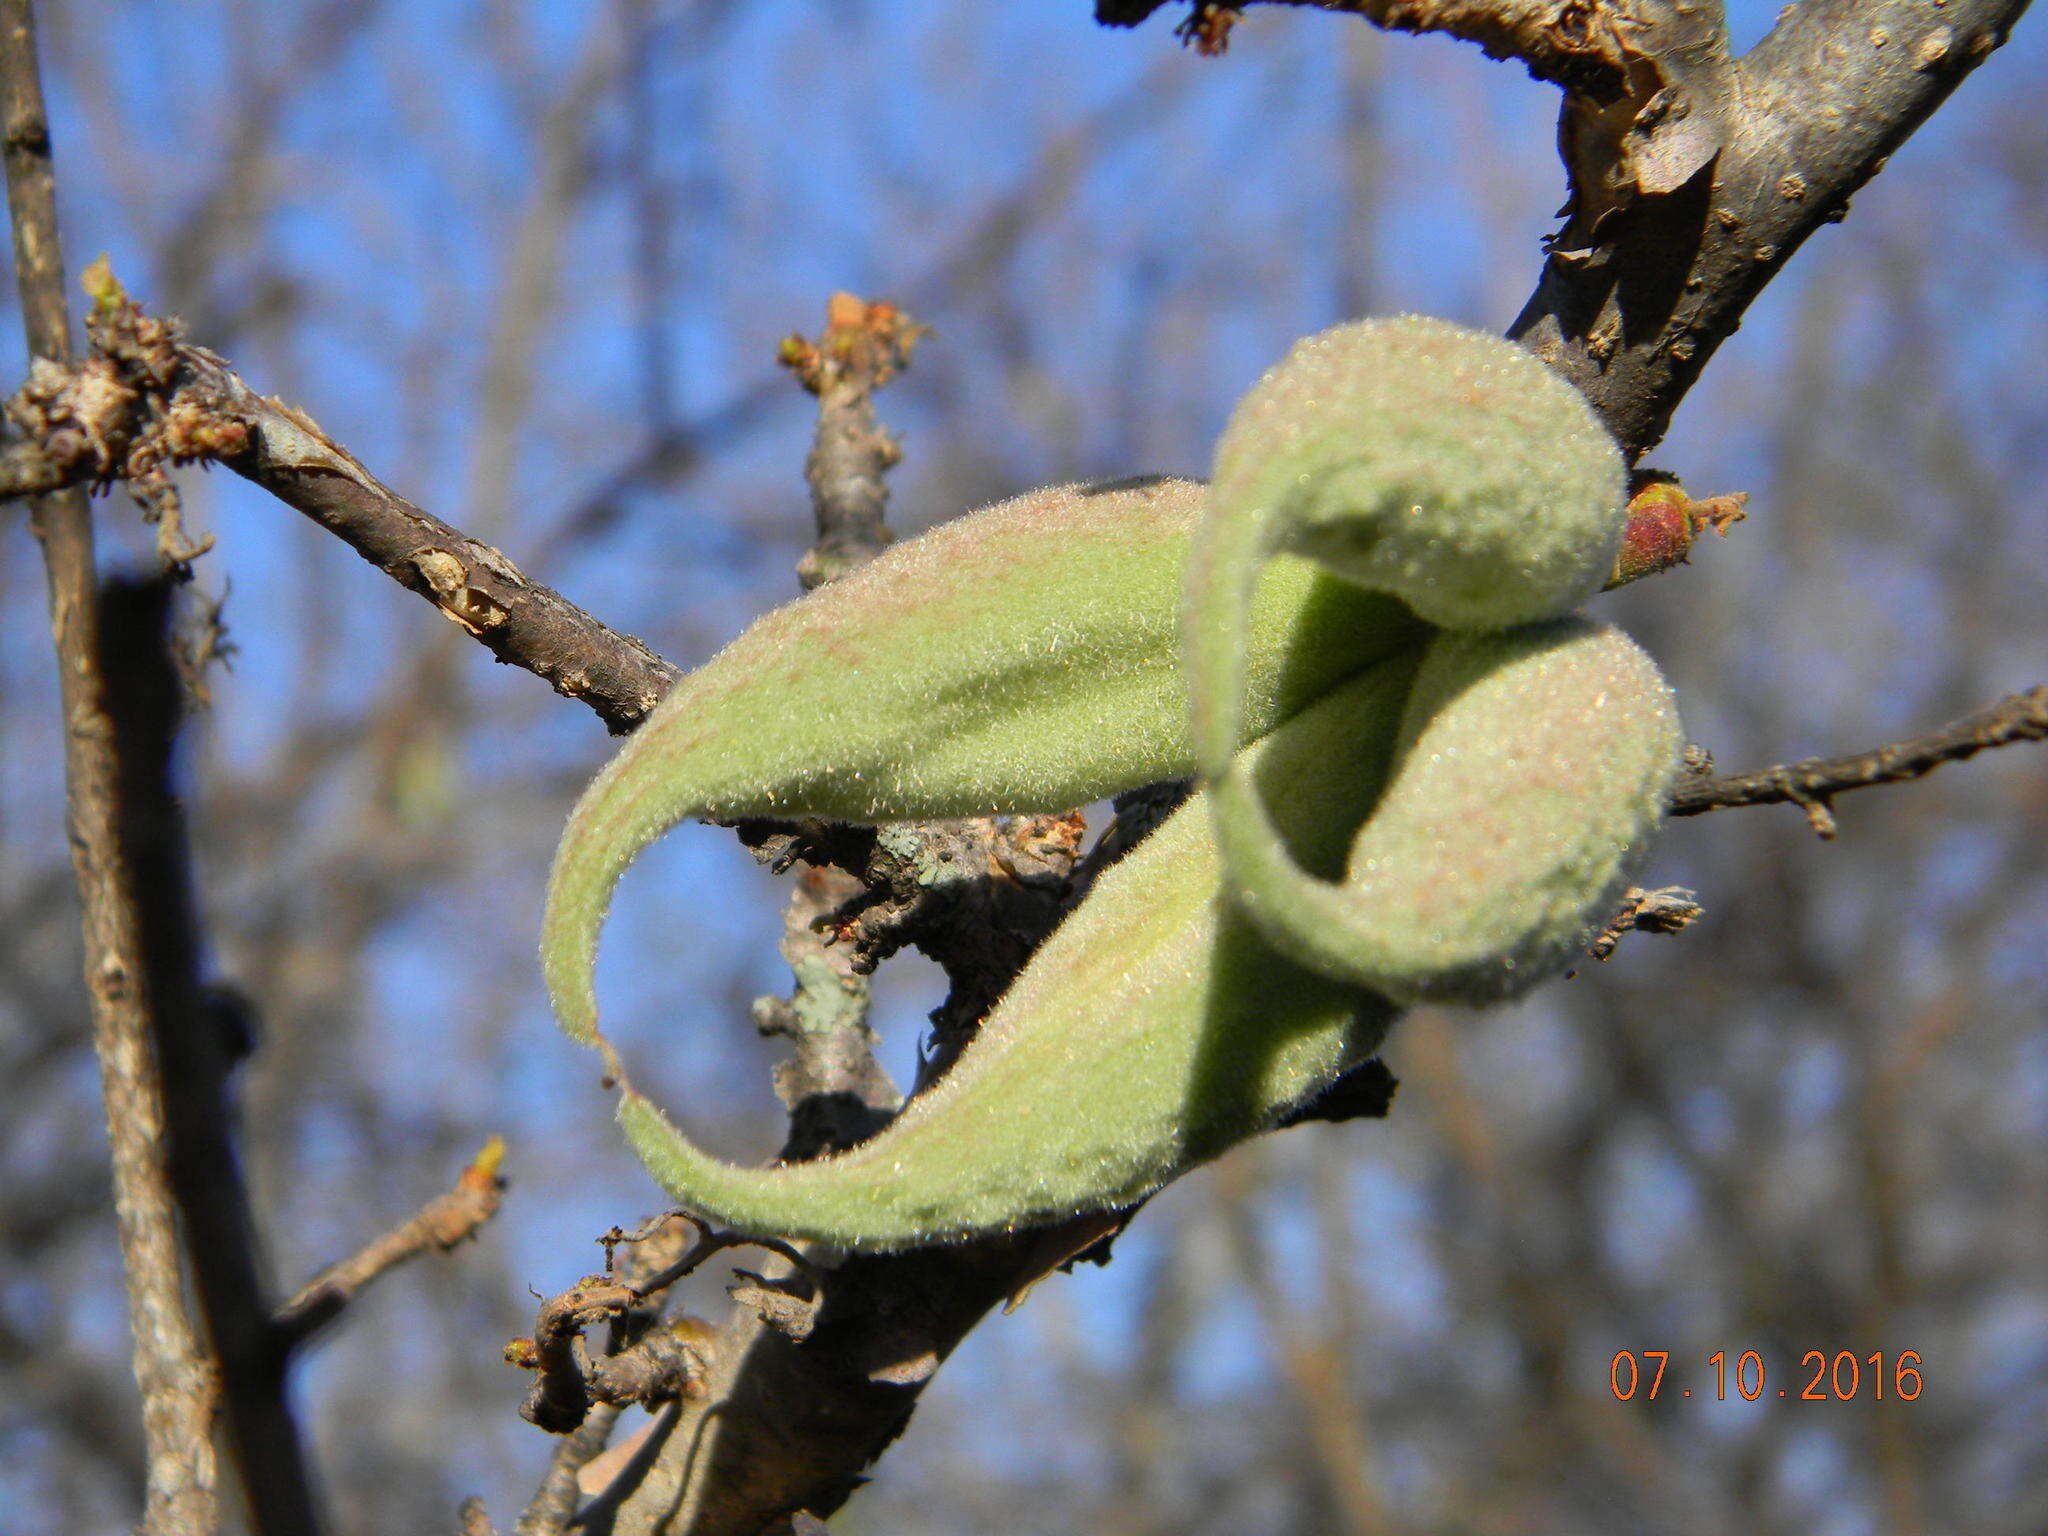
{"x": 178, "y": 1380}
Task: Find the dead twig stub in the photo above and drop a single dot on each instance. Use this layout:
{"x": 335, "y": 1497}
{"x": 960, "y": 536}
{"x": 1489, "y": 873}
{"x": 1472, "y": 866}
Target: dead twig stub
{"x": 647, "y": 1361}
{"x": 863, "y": 346}
{"x": 648, "y": 1251}
{"x": 1671, "y": 909}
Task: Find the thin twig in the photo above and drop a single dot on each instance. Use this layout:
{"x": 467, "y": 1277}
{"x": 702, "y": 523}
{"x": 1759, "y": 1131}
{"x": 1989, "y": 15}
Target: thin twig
{"x": 862, "y": 347}
{"x": 518, "y": 620}
{"x": 835, "y": 1091}
{"x": 177, "y": 1379}
{"x": 553, "y": 1505}
{"x": 709, "y": 1242}
{"x": 1813, "y": 783}
{"x": 198, "y": 1054}
{"x": 145, "y": 399}
{"x": 444, "y": 1222}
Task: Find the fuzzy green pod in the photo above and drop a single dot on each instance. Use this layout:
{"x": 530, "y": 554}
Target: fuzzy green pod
{"x": 1152, "y": 1031}
{"x": 1455, "y": 471}
{"x": 1492, "y": 855}
{"x": 1024, "y": 658}
{"x": 1422, "y": 781}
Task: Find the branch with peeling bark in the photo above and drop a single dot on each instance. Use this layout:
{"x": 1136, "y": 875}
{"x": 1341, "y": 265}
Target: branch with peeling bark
{"x": 1693, "y": 175}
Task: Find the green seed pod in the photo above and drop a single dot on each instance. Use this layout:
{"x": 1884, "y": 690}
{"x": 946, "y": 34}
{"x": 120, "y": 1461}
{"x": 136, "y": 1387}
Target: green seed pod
{"x": 1454, "y": 470}
{"x": 1532, "y": 767}
{"x": 1414, "y": 457}
{"x": 1025, "y": 658}
{"x": 1446, "y": 466}
{"x": 1393, "y": 811}
{"x": 1151, "y": 1032}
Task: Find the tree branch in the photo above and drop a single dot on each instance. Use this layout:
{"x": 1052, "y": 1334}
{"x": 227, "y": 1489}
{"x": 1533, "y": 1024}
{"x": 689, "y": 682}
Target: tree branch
{"x": 836, "y": 1092}
{"x": 1568, "y": 42}
{"x": 197, "y": 1049}
{"x": 1690, "y": 194}
{"x": 444, "y": 1222}
{"x": 178, "y": 1381}
{"x": 518, "y": 620}
{"x": 145, "y": 399}
{"x": 1813, "y": 783}
{"x": 1693, "y": 176}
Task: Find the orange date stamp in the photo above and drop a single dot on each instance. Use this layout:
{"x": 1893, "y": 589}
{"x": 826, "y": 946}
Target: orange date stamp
{"x": 1840, "y": 1377}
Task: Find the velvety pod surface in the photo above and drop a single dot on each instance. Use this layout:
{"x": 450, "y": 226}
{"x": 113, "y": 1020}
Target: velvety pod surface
{"x": 1152, "y": 1031}
{"x": 1421, "y": 780}
{"x": 1417, "y": 457}
{"x": 1455, "y": 471}
{"x": 1023, "y": 658}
